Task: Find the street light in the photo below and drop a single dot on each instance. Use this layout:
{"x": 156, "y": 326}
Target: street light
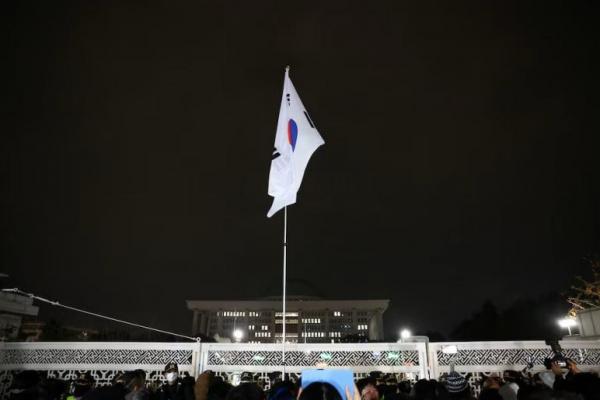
{"x": 405, "y": 334}
{"x": 238, "y": 335}
{"x": 567, "y": 323}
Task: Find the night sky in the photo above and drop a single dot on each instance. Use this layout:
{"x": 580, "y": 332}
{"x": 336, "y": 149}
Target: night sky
{"x": 461, "y": 160}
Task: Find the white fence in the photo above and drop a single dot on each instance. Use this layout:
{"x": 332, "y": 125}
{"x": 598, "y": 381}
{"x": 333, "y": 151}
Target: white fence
{"x": 479, "y": 359}
{"x": 65, "y": 360}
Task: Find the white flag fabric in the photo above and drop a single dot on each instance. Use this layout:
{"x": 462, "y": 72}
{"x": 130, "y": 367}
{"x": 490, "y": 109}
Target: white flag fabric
{"x": 295, "y": 141}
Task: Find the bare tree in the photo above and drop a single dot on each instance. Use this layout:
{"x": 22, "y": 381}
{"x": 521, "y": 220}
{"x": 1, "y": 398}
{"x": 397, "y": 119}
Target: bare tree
{"x": 585, "y": 293}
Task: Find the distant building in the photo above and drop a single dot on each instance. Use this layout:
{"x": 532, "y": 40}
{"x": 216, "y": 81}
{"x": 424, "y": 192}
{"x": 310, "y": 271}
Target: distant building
{"x": 34, "y": 331}
{"x": 13, "y": 308}
{"x": 588, "y": 322}
{"x": 308, "y": 319}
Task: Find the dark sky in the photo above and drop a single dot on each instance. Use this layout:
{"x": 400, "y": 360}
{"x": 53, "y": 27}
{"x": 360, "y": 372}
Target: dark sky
{"x": 461, "y": 157}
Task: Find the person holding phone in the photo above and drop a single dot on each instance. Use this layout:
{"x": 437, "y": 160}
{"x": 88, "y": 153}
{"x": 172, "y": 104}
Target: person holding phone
{"x": 320, "y": 384}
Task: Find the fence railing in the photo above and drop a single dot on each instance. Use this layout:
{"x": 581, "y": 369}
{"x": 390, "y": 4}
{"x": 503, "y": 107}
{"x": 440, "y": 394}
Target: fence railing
{"x": 479, "y": 359}
{"x": 104, "y": 360}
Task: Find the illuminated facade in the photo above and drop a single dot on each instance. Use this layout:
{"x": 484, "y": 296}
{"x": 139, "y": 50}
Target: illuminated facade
{"x": 308, "y": 319}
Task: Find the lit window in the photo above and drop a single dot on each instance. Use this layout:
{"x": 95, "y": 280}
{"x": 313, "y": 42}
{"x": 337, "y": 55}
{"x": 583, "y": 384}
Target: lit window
{"x": 287, "y": 314}
{"x": 265, "y": 327}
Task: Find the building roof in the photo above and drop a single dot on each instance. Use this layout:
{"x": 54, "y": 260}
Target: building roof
{"x": 293, "y": 304}
{"x": 17, "y": 304}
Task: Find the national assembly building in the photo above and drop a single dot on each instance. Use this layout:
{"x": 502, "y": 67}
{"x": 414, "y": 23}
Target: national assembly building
{"x": 308, "y": 319}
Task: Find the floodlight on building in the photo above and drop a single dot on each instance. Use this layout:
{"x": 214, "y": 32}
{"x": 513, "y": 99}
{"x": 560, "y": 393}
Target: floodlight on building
{"x": 238, "y": 334}
{"x": 567, "y": 323}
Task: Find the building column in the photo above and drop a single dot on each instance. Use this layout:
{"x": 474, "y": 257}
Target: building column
{"x": 208, "y": 321}
{"x": 202, "y": 322}
{"x": 327, "y": 329}
{"x": 376, "y": 326}
{"x": 380, "y": 325}
{"x": 195, "y": 323}
{"x": 220, "y": 322}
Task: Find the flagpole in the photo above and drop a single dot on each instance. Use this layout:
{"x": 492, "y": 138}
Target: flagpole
{"x": 283, "y": 338}
{"x": 284, "y": 289}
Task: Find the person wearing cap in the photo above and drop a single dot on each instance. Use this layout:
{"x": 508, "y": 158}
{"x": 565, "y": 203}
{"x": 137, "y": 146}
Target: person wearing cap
{"x": 457, "y": 386}
{"x": 118, "y": 390}
{"x": 81, "y": 386}
{"x": 174, "y": 388}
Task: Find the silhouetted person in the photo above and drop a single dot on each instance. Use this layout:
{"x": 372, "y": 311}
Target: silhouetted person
{"x": 174, "y": 388}
{"x": 25, "y": 386}
{"x": 320, "y": 391}
{"x": 457, "y": 386}
{"x": 84, "y": 384}
{"x": 283, "y": 390}
{"x": 367, "y": 388}
{"x": 117, "y": 391}
{"x": 575, "y": 381}
{"x": 246, "y": 391}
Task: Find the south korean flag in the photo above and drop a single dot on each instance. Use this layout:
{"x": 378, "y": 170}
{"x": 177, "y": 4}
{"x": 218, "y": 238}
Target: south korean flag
{"x": 295, "y": 142}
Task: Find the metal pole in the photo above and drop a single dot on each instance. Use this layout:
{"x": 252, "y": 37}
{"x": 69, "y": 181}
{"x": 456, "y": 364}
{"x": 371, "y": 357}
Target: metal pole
{"x": 284, "y": 290}
{"x": 287, "y": 71}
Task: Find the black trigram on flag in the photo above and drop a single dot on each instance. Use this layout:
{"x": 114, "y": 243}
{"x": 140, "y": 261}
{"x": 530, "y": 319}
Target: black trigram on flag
{"x": 275, "y": 153}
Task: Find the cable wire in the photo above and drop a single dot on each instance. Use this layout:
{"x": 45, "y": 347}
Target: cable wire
{"x": 57, "y": 304}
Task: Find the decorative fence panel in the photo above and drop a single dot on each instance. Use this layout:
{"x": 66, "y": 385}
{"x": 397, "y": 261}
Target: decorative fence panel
{"x": 229, "y": 360}
{"x": 479, "y": 359}
{"x": 65, "y": 360}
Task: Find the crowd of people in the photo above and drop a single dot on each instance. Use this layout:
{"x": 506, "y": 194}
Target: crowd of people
{"x": 554, "y": 384}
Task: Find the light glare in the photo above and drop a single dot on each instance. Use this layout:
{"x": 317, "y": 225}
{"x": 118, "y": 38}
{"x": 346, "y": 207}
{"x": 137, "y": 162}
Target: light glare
{"x": 405, "y": 334}
{"x": 567, "y": 322}
{"x": 238, "y": 334}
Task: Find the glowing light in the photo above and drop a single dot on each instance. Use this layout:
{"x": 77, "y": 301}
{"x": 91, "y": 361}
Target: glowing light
{"x": 238, "y": 334}
{"x": 405, "y": 334}
{"x": 567, "y": 323}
